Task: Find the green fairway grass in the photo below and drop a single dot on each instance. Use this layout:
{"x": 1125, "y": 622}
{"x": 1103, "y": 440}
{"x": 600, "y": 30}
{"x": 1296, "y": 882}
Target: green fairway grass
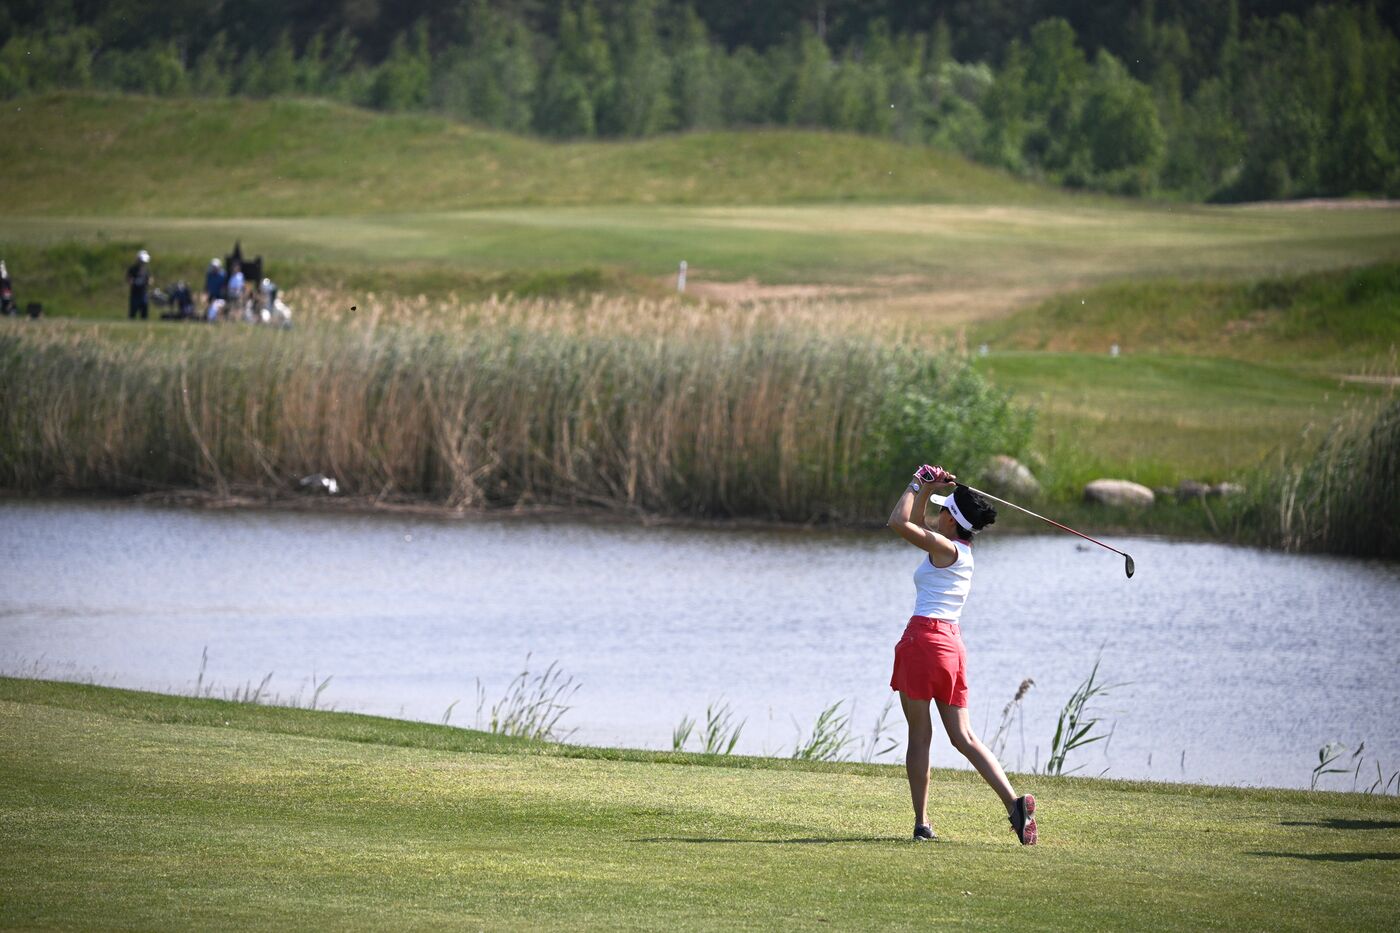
{"x": 922, "y": 255}
{"x": 1345, "y": 320}
{"x": 1159, "y": 418}
{"x": 129, "y": 810}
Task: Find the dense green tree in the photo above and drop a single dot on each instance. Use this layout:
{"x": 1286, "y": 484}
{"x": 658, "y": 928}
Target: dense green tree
{"x": 518, "y": 76}
{"x": 37, "y": 63}
{"x": 1205, "y": 153}
{"x": 1278, "y": 100}
{"x": 492, "y": 78}
{"x": 212, "y": 73}
{"x": 845, "y": 97}
{"x": 640, "y": 104}
{"x": 1357, "y": 156}
{"x": 1005, "y": 110}
{"x": 1120, "y": 127}
{"x": 339, "y": 73}
{"x": 805, "y": 91}
{"x": 695, "y": 77}
{"x": 956, "y": 121}
{"x": 564, "y": 108}
{"x": 157, "y": 69}
{"x": 583, "y": 44}
{"x": 275, "y": 69}
{"x": 1055, "y": 84}
{"x": 402, "y": 81}
{"x": 310, "y": 70}
{"x": 747, "y": 95}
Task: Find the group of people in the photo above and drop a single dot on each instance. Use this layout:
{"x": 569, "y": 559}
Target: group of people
{"x": 228, "y": 295}
{"x": 7, "y": 291}
{"x": 9, "y": 306}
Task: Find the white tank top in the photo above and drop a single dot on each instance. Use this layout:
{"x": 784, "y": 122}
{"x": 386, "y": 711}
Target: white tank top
{"x": 939, "y": 592}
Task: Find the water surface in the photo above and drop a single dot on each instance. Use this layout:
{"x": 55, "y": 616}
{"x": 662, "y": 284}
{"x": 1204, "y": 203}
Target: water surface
{"x": 1239, "y": 663}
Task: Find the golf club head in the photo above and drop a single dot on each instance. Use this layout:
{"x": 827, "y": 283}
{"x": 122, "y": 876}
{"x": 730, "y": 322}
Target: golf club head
{"x": 1128, "y": 565}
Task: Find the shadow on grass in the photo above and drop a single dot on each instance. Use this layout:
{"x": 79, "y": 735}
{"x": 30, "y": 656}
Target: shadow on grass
{"x": 1334, "y": 856}
{"x": 1345, "y": 824}
{"x": 769, "y": 842}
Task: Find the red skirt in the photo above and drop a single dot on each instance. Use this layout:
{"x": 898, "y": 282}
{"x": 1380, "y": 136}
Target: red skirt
{"x": 930, "y": 662}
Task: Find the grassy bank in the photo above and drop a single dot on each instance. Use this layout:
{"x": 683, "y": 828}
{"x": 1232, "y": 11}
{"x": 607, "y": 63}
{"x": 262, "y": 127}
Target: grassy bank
{"x": 1341, "y": 320}
{"x": 1160, "y": 418}
{"x": 138, "y": 810}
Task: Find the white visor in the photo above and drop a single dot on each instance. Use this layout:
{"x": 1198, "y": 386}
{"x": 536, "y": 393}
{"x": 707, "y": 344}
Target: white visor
{"x": 951, "y": 504}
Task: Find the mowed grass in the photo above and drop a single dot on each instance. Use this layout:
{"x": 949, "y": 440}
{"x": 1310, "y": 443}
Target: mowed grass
{"x": 84, "y": 154}
{"x": 1160, "y": 418}
{"x": 937, "y": 264}
{"x": 135, "y": 810}
{"x": 1343, "y": 320}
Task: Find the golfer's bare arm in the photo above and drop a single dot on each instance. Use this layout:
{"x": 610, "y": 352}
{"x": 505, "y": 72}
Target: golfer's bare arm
{"x": 902, "y": 521}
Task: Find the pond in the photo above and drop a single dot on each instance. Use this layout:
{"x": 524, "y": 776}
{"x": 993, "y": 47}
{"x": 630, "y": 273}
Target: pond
{"x": 1236, "y": 665}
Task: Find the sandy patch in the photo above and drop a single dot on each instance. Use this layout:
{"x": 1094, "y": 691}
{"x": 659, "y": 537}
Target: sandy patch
{"x": 1393, "y": 381}
{"x": 909, "y": 298}
{"x": 1327, "y": 204}
{"x": 752, "y": 290}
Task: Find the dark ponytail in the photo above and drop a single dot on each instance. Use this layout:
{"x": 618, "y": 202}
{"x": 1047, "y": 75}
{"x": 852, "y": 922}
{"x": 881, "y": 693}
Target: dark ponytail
{"x": 975, "y": 509}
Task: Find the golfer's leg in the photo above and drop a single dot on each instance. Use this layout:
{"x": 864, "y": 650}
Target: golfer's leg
{"x": 960, "y": 734}
{"x": 916, "y": 712}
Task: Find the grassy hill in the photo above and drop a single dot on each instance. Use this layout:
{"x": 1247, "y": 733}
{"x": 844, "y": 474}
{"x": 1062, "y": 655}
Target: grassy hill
{"x": 123, "y": 809}
{"x": 87, "y": 154}
{"x": 1342, "y": 318}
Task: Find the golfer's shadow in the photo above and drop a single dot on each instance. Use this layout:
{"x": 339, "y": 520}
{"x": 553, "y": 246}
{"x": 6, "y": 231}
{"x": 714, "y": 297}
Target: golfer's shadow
{"x": 1334, "y": 856}
{"x": 812, "y": 841}
{"x": 1344, "y": 824}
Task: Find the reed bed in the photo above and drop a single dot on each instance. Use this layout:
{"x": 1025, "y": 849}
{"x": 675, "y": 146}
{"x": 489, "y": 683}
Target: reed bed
{"x": 774, "y": 412}
{"x": 1345, "y": 498}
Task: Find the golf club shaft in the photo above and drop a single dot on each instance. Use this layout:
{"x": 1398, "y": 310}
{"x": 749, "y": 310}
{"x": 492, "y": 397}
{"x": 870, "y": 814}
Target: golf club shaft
{"x": 1048, "y": 521}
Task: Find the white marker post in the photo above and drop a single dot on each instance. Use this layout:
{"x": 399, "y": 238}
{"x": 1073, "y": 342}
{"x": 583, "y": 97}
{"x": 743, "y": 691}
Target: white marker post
{"x": 680, "y": 278}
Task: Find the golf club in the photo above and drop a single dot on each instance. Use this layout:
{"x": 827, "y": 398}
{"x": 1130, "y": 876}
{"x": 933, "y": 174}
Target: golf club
{"x": 1128, "y": 560}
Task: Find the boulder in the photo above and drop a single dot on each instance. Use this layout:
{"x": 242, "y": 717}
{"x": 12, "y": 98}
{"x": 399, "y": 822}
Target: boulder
{"x": 1118, "y": 492}
{"x": 1191, "y": 489}
{"x": 1009, "y": 477}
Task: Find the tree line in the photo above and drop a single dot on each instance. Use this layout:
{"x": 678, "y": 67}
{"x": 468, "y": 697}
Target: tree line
{"x": 1186, "y": 98}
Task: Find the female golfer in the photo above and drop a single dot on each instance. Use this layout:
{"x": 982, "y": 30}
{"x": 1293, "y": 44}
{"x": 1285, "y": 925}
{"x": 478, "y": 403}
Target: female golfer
{"x": 930, "y": 664}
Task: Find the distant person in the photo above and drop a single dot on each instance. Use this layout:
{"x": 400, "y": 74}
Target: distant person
{"x": 215, "y": 281}
{"x": 267, "y": 290}
{"x": 139, "y": 278}
{"x": 181, "y": 303}
{"x": 7, "y": 292}
{"x": 234, "y": 291}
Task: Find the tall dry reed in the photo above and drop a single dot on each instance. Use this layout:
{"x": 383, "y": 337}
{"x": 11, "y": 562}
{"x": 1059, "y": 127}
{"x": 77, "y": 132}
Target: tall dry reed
{"x": 651, "y": 406}
{"x": 1342, "y": 499}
